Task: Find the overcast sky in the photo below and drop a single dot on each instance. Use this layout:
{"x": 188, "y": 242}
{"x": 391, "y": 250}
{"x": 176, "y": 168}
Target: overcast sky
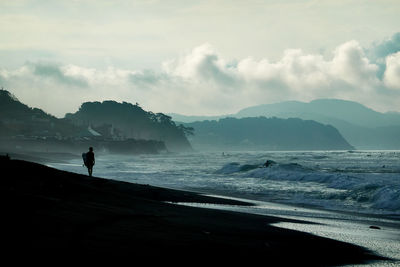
{"x": 200, "y": 57}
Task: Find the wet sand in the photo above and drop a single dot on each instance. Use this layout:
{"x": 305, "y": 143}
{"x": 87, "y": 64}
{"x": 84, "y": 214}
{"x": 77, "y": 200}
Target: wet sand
{"x": 50, "y": 213}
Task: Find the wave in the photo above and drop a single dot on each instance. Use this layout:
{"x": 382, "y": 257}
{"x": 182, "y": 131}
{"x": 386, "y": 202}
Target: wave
{"x": 387, "y": 198}
{"x": 234, "y": 167}
{"x": 379, "y": 192}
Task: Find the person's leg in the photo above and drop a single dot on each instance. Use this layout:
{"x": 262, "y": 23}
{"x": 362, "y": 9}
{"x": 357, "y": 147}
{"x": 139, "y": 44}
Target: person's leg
{"x": 89, "y": 170}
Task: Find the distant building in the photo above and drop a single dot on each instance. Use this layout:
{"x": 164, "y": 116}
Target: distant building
{"x": 93, "y": 132}
{"x": 89, "y": 132}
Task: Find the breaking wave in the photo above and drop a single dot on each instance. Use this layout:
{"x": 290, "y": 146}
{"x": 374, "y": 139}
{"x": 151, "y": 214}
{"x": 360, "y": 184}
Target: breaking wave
{"x": 370, "y": 190}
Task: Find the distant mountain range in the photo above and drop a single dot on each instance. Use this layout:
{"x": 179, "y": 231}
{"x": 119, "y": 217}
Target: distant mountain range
{"x": 362, "y": 127}
{"x": 326, "y": 109}
{"x": 321, "y": 124}
{"x": 260, "y": 133}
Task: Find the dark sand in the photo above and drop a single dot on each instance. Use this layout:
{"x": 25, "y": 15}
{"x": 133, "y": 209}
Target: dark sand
{"x": 48, "y": 213}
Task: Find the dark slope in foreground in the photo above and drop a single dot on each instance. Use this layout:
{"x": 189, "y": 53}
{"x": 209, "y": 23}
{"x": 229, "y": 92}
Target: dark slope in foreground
{"x": 47, "y": 213}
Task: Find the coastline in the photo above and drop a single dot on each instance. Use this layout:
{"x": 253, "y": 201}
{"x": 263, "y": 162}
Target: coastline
{"x": 62, "y": 213}
{"x": 377, "y": 234}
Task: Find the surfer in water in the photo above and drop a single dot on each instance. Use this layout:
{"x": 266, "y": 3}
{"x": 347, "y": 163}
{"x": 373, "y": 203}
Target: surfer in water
{"x": 89, "y": 162}
{"x": 269, "y": 163}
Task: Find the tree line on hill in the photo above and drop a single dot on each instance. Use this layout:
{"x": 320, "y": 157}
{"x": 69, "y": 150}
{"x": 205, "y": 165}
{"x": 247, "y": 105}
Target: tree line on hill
{"x": 94, "y": 120}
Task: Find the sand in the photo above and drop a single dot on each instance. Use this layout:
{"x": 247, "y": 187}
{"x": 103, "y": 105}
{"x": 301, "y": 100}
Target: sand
{"x": 48, "y": 213}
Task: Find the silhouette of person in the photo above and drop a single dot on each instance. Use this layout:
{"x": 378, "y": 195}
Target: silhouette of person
{"x": 268, "y": 163}
{"x": 90, "y": 160}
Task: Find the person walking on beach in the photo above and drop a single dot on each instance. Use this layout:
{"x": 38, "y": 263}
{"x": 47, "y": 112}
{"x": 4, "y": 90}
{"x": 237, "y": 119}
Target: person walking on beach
{"x": 90, "y": 160}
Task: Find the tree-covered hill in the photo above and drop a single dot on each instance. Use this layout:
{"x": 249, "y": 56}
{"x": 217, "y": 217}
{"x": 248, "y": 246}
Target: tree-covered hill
{"x": 260, "y": 133}
{"x": 132, "y": 122}
{"x": 361, "y": 126}
{"x": 17, "y": 118}
{"x": 108, "y": 126}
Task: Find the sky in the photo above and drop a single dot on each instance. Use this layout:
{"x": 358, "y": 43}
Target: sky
{"x": 200, "y": 57}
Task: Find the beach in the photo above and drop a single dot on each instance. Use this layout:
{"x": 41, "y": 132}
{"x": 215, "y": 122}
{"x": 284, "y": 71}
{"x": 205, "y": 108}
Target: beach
{"x": 49, "y": 212}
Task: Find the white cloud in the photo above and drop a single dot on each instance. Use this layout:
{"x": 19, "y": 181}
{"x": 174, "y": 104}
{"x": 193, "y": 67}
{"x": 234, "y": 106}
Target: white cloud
{"x": 202, "y": 64}
{"x": 295, "y": 70}
{"x": 392, "y": 73}
{"x": 351, "y": 65}
{"x": 203, "y": 82}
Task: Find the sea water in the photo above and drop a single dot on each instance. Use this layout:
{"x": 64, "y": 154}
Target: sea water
{"x": 357, "y": 181}
{"x": 343, "y": 192}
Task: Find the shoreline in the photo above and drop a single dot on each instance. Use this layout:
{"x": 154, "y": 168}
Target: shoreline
{"x": 386, "y": 215}
{"x": 376, "y": 234}
{"x": 62, "y": 213}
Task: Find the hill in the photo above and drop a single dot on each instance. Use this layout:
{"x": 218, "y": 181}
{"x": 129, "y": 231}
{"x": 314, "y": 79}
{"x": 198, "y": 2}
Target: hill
{"x": 25, "y": 130}
{"x": 361, "y": 126}
{"x": 260, "y": 133}
{"x": 325, "y": 109}
{"x": 132, "y": 122}
{"x": 17, "y": 118}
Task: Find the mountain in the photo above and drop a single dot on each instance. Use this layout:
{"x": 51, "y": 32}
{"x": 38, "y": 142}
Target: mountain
{"x": 261, "y": 133}
{"x": 179, "y": 118}
{"x": 132, "y": 122}
{"x": 361, "y": 126}
{"x": 325, "y": 109}
{"x": 25, "y": 130}
{"x": 17, "y": 118}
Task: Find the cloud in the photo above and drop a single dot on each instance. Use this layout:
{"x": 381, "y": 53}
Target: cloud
{"x": 295, "y": 70}
{"x": 59, "y": 73}
{"x": 351, "y": 65}
{"x": 202, "y": 64}
{"x": 379, "y": 51}
{"x": 392, "y": 73}
{"x": 148, "y": 78}
{"x": 386, "y": 47}
{"x": 202, "y": 81}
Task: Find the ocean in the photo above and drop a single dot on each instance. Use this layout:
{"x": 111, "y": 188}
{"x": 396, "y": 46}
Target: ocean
{"x": 357, "y": 181}
{"x": 351, "y": 196}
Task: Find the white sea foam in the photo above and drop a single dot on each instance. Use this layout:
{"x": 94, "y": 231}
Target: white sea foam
{"x": 377, "y": 189}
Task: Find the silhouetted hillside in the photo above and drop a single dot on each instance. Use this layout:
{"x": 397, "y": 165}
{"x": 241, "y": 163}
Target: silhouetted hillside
{"x": 132, "y": 122}
{"x": 361, "y": 126}
{"x": 266, "y": 134}
{"x": 17, "y": 118}
{"x": 25, "y": 130}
